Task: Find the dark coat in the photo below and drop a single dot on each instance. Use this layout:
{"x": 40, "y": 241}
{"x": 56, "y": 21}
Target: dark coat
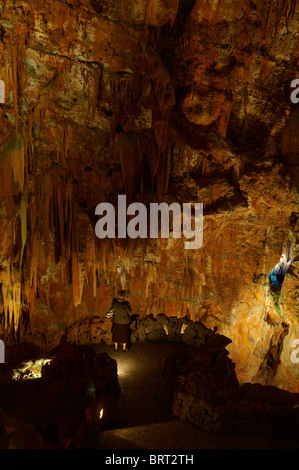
{"x": 121, "y": 311}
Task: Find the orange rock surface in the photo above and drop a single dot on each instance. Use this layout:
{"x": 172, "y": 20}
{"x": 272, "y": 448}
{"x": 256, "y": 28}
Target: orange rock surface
{"x": 177, "y": 101}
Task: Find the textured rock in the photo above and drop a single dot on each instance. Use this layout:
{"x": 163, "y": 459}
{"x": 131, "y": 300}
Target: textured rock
{"x": 67, "y": 398}
{"x": 15, "y": 434}
{"x": 185, "y": 101}
{"x": 207, "y": 394}
{"x": 95, "y": 330}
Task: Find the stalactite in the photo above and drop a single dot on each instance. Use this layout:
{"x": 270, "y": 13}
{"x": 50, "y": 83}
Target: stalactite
{"x": 75, "y": 270}
{"x": 93, "y": 91}
{"x": 61, "y": 225}
{"x": 17, "y": 160}
{"x": 272, "y": 12}
{"x": 158, "y": 152}
{"x": 67, "y": 137}
{"x": 162, "y": 84}
{"x": 120, "y": 90}
{"x": 153, "y": 156}
{"x": 150, "y": 278}
{"x": 128, "y": 145}
{"x": 34, "y": 264}
{"x": 16, "y": 303}
{"x": 29, "y": 164}
{"x": 11, "y": 295}
{"x": 68, "y": 216}
{"x": 94, "y": 279}
{"x": 90, "y": 262}
{"x": 82, "y": 256}
{"x": 47, "y": 192}
{"x": 163, "y": 173}
{"x": 15, "y": 63}
{"x": 23, "y": 216}
{"x": 161, "y": 126}
{"x": 289, "y": 10}
{"x": 5, "y": 302}
{"x": 6, "y": 186}
{"x": 125, "y": 91}
{"x": 13, "y": 164}
{"x": 131, "y": 247}
{"x": 79, "y": 248}
{"x": 103, "y": 254}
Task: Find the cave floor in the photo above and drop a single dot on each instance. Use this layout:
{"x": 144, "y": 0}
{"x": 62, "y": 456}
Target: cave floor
{"x": 143, "y": 399}
{"x": 144, "y": 410}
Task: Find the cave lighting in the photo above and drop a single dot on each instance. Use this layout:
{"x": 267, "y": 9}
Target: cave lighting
{"x": 101, "y": 413}
{"x": 30, "y": 370}
{"x": 124, "y": 367}
{"x": 91, "y": 390}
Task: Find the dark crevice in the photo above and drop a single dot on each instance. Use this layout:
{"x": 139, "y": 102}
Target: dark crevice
{"x": 184, "y": 10}
{"x": 272, "y": 358}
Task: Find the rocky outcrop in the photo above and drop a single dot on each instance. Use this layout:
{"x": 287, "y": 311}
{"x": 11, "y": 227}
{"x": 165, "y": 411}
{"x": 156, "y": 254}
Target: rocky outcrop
{"x": 15, "y": 434}
{"x": 184, "y": 101}
{"x": 95, "y": 330}
{"x": 207, "y": 393}
{"x": 68, "y": 403}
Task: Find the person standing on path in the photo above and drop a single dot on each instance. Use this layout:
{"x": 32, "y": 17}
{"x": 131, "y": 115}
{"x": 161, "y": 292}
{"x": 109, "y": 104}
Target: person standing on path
{"x": 120, "y": 314}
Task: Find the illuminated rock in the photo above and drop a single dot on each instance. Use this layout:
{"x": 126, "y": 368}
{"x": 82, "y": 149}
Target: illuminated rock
{"x": 163, "y": 101}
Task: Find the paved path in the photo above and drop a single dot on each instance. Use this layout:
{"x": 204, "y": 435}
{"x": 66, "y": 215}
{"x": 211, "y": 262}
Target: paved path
{"x": 180, "y": 435}
{"x": 143, "y": 399}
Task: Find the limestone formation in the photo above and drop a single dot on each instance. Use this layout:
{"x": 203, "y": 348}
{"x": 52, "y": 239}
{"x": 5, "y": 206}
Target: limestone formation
{"x": 181, "y": 101}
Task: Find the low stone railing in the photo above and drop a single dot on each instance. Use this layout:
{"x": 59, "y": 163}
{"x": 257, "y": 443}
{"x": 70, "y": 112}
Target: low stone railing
{"x": 96, "y": 330}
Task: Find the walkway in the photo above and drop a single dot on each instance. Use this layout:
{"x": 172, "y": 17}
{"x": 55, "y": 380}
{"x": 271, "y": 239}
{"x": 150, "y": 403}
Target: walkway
{"x": 144, "y": 411}
{"x": 143, "y": 399}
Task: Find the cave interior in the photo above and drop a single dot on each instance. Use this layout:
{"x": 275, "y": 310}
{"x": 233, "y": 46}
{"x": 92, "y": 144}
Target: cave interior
{"x": 183, "y": 105}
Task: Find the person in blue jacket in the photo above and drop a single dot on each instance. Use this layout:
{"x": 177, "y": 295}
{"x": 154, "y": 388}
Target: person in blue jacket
{"x": 279, "y": 271}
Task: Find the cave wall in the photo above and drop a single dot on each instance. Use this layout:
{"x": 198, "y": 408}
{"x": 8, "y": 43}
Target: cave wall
{"x": 177, "y": 101}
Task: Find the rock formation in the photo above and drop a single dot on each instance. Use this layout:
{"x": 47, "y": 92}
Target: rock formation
{"x": 65, "y": 405}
